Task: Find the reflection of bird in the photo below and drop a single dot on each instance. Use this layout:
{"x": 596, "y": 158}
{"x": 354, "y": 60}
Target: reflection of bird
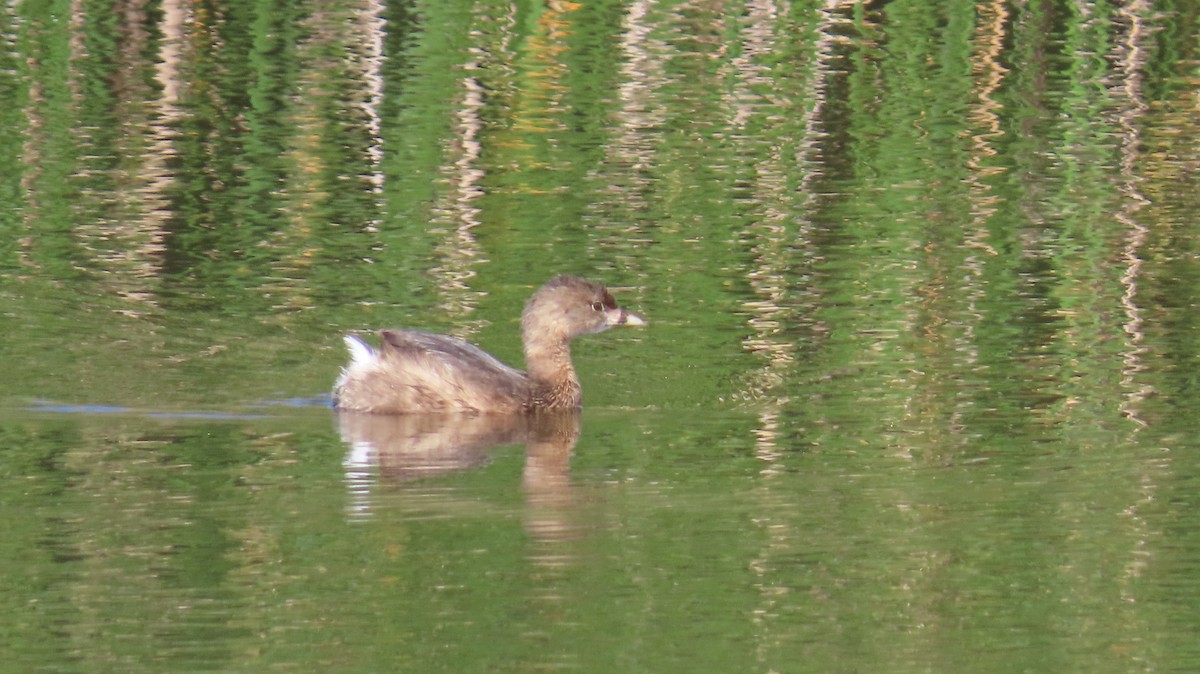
{"x": 404, "y": 449}
{"x": 422, "y": 445}
{"x": 413, "y": 446}
{"x": 421, "y": 372}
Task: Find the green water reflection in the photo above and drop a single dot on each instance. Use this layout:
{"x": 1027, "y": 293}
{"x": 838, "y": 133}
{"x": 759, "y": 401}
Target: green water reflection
{"x": 917, "y": 394}
{"x": 657, "y": 545}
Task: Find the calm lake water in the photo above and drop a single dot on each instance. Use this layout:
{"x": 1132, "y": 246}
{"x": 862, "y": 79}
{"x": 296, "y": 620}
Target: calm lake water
{"x": 919, "y": 391}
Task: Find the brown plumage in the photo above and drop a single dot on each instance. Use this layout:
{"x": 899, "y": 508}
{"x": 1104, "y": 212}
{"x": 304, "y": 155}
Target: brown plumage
{"x": 415, "y": 371}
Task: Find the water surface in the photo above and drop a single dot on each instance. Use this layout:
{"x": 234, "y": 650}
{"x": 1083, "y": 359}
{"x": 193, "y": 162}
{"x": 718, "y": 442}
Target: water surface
{"x": 916, "y": 393}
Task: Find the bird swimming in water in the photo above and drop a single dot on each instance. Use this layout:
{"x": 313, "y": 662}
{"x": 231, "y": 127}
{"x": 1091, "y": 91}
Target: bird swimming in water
{"x": 420, "y": 372}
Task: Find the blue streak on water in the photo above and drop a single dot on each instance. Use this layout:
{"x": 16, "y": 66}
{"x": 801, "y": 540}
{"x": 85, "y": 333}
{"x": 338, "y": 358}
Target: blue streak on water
{"x": 117, "y": 409}
{"x": 260, "y": 409}
{"x": 79, "y": 409}
{"x": 311, "y": 401}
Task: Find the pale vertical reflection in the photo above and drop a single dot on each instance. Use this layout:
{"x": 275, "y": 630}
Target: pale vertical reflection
{"x": 624, "y": 176}
{"x": 1130, "y": 57}
{"x": 373, "y": 29}
{"x": 358, "y": 57}
{"x": 632, "y": 147}
{"x": 128, "y": 238}
{"x": 75, "y": 39}
{"x": 988, "y": 75}
{"x": 37, "y": 135}
{"x": 31, "y": 148}
{"x": 455, "y": 212}
{"x": 781, "y": 227}
{"x": 773, "y": 236}
{"x": 758, "y": 37}
{"x": 155, "y": 166}
{"x": 768, "y": 278}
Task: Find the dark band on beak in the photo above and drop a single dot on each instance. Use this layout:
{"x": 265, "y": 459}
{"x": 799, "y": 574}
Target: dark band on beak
{"x": 626, "y": 318}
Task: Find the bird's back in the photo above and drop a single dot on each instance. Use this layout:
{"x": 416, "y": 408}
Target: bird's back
{"x": 416, "y": 371}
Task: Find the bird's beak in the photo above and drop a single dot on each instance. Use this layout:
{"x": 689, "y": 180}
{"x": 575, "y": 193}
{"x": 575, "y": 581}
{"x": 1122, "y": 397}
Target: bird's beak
{"x": 622, "y": 317}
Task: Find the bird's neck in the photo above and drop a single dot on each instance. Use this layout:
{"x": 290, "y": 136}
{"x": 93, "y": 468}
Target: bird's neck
{"x": 555, "y": 384}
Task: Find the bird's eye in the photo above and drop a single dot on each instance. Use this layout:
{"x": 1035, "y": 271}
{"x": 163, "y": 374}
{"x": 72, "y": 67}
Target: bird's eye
{"x": 597, "y": 306}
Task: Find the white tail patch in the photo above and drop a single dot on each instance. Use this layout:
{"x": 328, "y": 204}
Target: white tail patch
{"x": 360, "y": 353}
